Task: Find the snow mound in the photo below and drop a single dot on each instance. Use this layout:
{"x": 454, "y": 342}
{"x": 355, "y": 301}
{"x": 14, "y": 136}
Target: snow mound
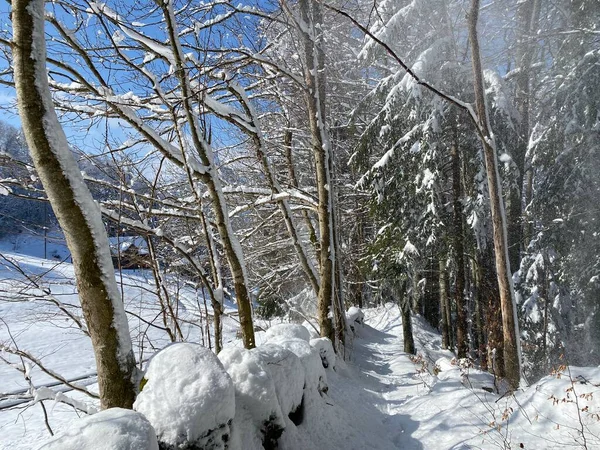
{"x": 285, "y": 331}
{"x": 287, "y": 374}
{"x": 258, "y": 416}
{"x": 315, "y": 377}
{"x": 355, "y": 315}
{"x": 111, "y": 429}
{"x": 188, "y": 396}
{"x": 325, "y": 348}
{"x": 470, "y": 377}
{"x": 314, "y": 334}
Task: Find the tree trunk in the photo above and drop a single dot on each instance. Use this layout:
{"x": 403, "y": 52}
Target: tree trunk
{"x": 217, "y": 278}
{"x": 76, "y": 211}
{"x": 312, "y": 234}
{"x": 528, "y": 12}
{"x": 407, "y": 334}
{"x": 512, "y": 353}
{"x": 210, "y": 178}
{"x": 462, "y": 333}
{"x": 480, "y": 335}
{"x": 284, "y": 207}
{"x": 443, "y": 280}
{"x": 315, "y": 102}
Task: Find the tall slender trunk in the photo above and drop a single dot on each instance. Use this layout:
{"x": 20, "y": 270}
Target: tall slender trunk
{"x": 217, "y": 279}
{"x": 528, "y": 12}
{"x": 512, "y": 351}
{"x": 443, "y": 280}
{"x": 480, "y": 310}
{"x": 312, "y": 234}
{"x": 490, "y": 294}
{"x": 75, "y": 209}
{"x": 407, "y": 333}
{"x": 462, "y": 334}
{"x": 311, "y": 32}
{"x": 545, "y": 291}
{"x": 284, "y": 206}
{"x": 210, "y": 178}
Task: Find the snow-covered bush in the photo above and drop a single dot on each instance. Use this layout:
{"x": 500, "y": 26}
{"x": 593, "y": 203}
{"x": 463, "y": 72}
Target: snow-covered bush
{"x": 188, "y": 397}
{"x": 258, "y": 417}
{"x": 111, "y": 429}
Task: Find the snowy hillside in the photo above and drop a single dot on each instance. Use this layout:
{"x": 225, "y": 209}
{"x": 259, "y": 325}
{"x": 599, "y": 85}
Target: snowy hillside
{"x": 379, "y": 398}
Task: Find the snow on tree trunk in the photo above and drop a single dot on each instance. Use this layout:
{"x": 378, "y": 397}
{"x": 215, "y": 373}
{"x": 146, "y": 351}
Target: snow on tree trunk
{"x": 210, "y": 178}
{"x": 310, "y": 17}
{"x": 75, "y": 209}
{"x": 512, "y": 353}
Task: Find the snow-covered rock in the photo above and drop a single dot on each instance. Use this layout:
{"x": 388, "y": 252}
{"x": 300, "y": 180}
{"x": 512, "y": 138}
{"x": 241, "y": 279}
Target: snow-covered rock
{"x": 285, "y": 331}
{"x": 287, "y": 373}
{"x": 355, "y": 315}
{"x": 111, "y": 429}
{"x": 188, "y": 397}
{"x": 325, "y": 348}
{"x": 296, "y": 338}
{"x": 314, "y": 334}
{"x": 315, "y": 377}
{"x": 258, "y": 417}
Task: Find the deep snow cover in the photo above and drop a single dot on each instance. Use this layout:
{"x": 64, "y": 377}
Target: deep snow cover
{"x": 112, "y": 429}
{"x": 378, "y": 398}
{"x": 186, "y": 394}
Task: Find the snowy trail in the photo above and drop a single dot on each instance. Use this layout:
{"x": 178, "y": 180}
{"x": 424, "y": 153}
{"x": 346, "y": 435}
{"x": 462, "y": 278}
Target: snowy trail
{"x": 450, "y": 408}
{"x": 386, "y": 378}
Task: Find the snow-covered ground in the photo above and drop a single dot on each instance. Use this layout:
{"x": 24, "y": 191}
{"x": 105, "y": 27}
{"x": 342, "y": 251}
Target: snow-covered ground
{"x": 378, "y": 398}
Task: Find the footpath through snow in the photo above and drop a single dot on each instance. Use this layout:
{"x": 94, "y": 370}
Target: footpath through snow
{"x": 429, "y": 402}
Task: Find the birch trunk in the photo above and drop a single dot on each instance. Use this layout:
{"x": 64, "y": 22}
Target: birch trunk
{"x": 76, "y": 211}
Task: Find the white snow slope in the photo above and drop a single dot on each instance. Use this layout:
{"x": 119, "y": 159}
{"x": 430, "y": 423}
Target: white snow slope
{"x": 379, "y": 398}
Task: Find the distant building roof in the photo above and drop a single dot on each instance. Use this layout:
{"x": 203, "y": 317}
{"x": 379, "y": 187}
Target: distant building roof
{"x": 124, "y": 243}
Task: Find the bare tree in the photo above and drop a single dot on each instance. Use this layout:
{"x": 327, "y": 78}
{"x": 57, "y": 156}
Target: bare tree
{"x": 75, "y": 209}
{"x": 512, "y": 359}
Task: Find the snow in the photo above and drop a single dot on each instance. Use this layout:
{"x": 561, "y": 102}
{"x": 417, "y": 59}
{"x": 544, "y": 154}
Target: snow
{"x": 315, "y": 377}
{"x": 355, "y": 314}
{"x": 112, "y": 429}
{"x": 59, "y": 146}
{"x": 287, "y": 374}
{"x": 377, "y": 398}
{"x": 285, "y": 331}
{"x": 256, "y": 402}
{"x": 157, "y": 47}
{"x": 186, "y": 395}
{"x": 326, "y": 352}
